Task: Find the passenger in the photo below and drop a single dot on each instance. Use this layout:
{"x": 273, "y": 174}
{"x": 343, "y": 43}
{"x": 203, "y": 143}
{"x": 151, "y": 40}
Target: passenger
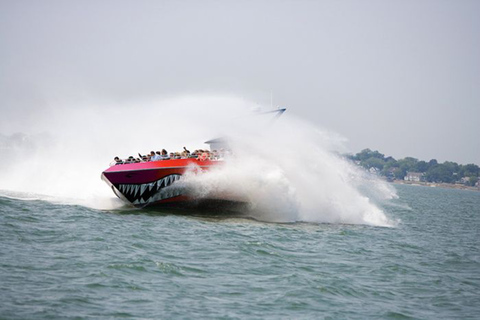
{"x": 177, "y": 155}
{"x": 165, "y": 155}
{"x": 151, "y": 156}
{"x": 117, "y": 161}
{"x": 202, "y": 156}
{"x": 172, "y": 155}
{"x": 157, "y": 156}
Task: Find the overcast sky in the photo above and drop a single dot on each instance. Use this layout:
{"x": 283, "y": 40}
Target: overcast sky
{"x": 402, "y": 77}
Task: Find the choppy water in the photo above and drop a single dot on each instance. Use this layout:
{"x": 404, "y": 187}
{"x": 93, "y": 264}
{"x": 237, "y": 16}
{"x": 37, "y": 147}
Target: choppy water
{"x": 61, "y": 261}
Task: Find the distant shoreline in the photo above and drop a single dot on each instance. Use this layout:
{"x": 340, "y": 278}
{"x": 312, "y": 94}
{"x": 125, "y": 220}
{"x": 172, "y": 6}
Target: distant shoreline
{"x": 440, "y": 185}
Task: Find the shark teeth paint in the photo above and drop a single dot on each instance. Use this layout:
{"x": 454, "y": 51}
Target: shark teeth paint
{"x": 143, "y": 194}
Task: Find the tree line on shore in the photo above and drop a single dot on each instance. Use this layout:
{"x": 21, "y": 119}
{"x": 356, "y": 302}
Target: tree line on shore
{"x": 446, "y": 172}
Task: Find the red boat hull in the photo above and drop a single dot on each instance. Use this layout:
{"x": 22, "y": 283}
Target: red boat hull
{"x": 153, "y": 183}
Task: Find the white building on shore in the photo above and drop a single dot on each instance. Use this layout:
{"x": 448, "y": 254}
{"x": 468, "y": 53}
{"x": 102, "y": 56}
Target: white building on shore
{"x": 413, "y": 176}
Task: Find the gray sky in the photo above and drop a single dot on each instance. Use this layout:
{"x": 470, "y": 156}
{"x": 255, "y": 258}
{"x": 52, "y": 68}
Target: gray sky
{"x": 402, "y": 77}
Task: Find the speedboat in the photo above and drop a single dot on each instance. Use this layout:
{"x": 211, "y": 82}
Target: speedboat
{"x": 154, "y": 182}
{"x": 159, "y": 182}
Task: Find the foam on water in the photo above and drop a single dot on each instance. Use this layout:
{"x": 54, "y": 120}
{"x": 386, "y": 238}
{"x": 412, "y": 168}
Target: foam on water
{"x": 288, "y": 170}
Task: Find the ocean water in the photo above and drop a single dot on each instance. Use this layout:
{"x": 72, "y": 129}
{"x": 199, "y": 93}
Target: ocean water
{"x": 72, "y": 262}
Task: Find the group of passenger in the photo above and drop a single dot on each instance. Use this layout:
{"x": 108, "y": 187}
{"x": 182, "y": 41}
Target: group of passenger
{"x": 199, "y": 154}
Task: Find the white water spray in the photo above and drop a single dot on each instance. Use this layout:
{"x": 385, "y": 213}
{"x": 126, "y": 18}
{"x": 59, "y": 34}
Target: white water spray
{"x": 288, "y": 171}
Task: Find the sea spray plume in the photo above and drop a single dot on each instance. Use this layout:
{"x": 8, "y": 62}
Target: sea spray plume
{"x": 288, "y": 172}
{"x": 269, "y": 196}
